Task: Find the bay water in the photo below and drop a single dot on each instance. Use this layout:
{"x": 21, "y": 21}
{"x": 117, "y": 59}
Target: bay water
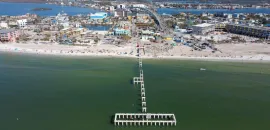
{"x": 15, "y": 9}
{"x": 82, "y": 93}
{"x": 7, "y": 8}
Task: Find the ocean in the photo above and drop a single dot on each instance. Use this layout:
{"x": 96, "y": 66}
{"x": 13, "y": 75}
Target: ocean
{"x": 82, "y": 93}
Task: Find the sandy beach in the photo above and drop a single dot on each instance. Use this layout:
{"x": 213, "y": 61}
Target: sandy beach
{"x": 231, "y": 52}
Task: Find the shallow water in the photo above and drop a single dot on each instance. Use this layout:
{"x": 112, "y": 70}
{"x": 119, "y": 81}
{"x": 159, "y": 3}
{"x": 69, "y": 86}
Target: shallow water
{"x": 82, "y": 93}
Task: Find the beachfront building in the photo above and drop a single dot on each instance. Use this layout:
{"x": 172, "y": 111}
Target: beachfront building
{"x": 147, "y": 32}
{"x": 62, "y": 20}
{"x": 9, "y": 35}
{"x": 123, "y": 28}
{"x": 111, "y": 8}
{"x": 202, "y": 29}
{"x": 147, "y": 38}
{"x": 120, "y": 13}
{"x": 255, "y": 31}
{"x": 139, "y": 6}
{"x": 147, "y": 35}
{"x": 121, "y": 6}
{"x": 22, "y": 23}
{"x": 121, "y": 31}
{"x": 3, "y": 25}
{"x": 220, "y": 26}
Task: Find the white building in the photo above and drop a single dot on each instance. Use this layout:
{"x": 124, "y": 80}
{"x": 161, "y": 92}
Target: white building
{"x": 62, "y": 19}
{"x": 204, "y": 14}
{"x": 229, "y": 16}
{"x": 147, "y": 38}
{"x": 139, "y": 6}
{"x": 121, "y": 6}
{"x": 22, "y": 23}
{"x": 3, "y": 25}
{"x": 204, "y": 28}
{"x": 111, "y": 8}
{"x": 120, "y": 13}
{"x": 77, "y": 25}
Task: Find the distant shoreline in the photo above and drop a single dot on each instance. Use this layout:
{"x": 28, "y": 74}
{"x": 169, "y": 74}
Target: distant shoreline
{"x": 23, "y": 1}
{"x": 41, "y": 9}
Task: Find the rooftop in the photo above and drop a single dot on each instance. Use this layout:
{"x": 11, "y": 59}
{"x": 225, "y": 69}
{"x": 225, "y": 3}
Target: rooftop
{"x": 7, "y": 30}
{"x": 99, "y": 14}
{"x": 204, "y": 25}
{"x": 253, "y": 27}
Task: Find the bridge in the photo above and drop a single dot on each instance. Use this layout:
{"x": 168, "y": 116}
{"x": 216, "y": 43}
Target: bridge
{"x": 156, "y": 16}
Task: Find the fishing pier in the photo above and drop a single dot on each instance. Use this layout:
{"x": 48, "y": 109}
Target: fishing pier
{"x": 143, "y": 118}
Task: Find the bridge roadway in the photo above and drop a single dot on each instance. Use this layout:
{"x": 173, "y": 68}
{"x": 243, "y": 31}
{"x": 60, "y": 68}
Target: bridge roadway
{"x": 161, "y": 23}
{"x": 156, "y": 16}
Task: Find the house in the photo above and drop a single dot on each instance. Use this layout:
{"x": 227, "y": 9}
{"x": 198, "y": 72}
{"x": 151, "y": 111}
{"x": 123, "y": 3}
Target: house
{"x": 111, "y": 8}
{"x": 229, "y": 16}
{"x": 147, "y": 32}
{"x": 62, "y": 19}
{"x": 121, "y": 31}
{"x": 3, "y": 25}
{"x": 22, "y": 23}
{"x": 8, "y": 35}
{"x": 121, "y": 6}
{"x": 147, "y": 38}
{"x": 120, "y": 13}
{"x": 139, "y": 6}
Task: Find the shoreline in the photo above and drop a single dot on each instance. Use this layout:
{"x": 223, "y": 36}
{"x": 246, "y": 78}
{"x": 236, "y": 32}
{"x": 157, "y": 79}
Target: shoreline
{"x": 54, "y": 52}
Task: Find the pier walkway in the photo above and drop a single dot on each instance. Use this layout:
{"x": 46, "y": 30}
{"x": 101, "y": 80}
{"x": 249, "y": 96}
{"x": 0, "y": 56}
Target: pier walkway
{"x": 143, "y": 118}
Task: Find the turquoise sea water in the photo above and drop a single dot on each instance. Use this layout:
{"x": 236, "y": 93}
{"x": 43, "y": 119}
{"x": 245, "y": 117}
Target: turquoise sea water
{"x": 82, "y": 93}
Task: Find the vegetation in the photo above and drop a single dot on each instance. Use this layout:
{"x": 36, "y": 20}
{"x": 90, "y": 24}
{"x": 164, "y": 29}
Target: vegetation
{"x": 204, "y": 18}
{"x": 126, "y": 37}
{"x": 170, "y": 23}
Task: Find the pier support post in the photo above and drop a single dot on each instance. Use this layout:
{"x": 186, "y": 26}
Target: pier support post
{"x": 143, "y": 99}
{"x": 143, "y": 109}
{"x": 143, "y": 94}
{"x": 144, "y": 104}
{"x": 142, "y": 90}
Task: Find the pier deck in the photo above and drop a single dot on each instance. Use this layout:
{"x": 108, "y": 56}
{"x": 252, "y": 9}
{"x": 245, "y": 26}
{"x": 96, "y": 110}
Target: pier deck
{"x": 143, "y": 118}
{"x": 152, "y": 119}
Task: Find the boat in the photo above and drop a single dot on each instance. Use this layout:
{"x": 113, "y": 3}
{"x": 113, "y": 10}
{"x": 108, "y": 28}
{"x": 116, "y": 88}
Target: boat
{"x": 202, "y": 69}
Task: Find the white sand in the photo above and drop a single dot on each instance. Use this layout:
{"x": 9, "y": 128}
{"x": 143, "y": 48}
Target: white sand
{"x": 232, "y": 52}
